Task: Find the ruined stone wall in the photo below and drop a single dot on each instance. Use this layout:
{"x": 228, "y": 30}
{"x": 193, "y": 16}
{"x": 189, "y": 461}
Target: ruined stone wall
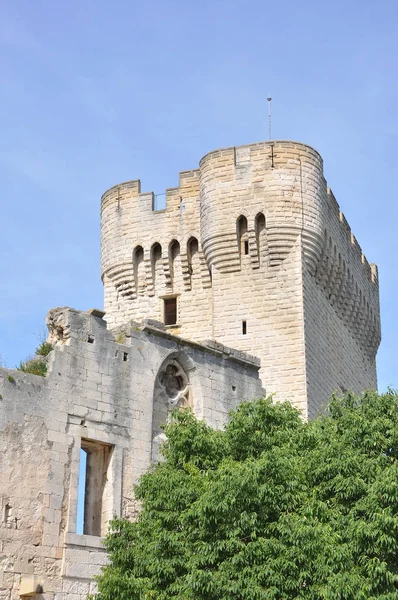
{"x": 106, "y": 391}
{"x": 275, "y": 254}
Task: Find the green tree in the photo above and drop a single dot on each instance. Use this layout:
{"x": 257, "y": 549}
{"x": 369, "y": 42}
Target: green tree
{"x": 271, "y": 508}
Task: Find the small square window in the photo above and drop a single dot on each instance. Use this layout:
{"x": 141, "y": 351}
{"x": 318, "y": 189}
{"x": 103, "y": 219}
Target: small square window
{"x": 170, "y": 311}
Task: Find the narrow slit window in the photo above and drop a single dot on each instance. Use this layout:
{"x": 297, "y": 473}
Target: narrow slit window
{"x": 94, "y": 490}
{"x": 170, "y": 311}
{"x": 241, "y": 231}
{"x": 244, "y": 327}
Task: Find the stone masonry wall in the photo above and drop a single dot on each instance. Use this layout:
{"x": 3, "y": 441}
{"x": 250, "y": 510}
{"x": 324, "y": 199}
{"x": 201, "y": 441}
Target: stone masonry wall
{"x": 335, "y": 354}
{"x": 127, "y": 222}
{"x": 100, "y": 391}
{"x": 342, "y": 314}
{"x": 273, "y": 247}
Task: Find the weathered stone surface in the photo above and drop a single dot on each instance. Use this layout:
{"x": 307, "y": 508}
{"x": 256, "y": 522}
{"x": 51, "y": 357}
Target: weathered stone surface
{"x": 261, "y": 240}
{"x": 100, "y": 390}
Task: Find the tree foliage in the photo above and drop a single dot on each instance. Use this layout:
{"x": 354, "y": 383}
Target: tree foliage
{"x": 271, "y": 508}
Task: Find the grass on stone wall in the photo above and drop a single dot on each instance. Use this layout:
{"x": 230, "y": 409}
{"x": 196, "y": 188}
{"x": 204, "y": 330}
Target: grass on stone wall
{"x": 34, "y": 366}
{"x": 44, "y": 349}
{"x": 38, "y": 364}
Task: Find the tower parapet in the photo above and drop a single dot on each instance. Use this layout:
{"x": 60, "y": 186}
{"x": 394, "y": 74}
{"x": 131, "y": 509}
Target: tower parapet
{"x": 282, "y": 180}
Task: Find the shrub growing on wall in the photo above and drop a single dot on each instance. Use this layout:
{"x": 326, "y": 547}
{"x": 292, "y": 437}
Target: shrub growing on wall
{"x": 38, "y": 364}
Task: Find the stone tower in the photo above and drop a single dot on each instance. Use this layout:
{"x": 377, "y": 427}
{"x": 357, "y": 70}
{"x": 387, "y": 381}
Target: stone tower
{"x": 252, "y": 251}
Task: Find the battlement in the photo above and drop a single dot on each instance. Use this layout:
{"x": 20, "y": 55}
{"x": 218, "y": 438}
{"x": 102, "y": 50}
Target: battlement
{"x": 230, "y": 183}
{"x": 241, "y": 154}
{"x": 117, "y": 194}
{"x": 239, "y": 220}
{"x": 357, "y": 254}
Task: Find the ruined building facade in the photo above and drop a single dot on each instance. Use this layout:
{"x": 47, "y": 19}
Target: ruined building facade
{"x": 249, "y": 279}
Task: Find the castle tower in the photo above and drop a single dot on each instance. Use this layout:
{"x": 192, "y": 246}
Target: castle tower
{"x": 253, "y": 251}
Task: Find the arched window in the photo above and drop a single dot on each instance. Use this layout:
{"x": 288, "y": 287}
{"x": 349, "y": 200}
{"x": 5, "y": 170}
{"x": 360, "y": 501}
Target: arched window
{"x": 242, "y": 235}
{"x": 138, "y": 255}
{"x": 156, "y": 252}
{"x": 172, "y": 390}
{"x": 174, "y": 258}
{"x": 192, "y": 253}
{"x": 174, "y": 249}
{"x": 259, "y": 225}
{"x": 156, "y": 262}
{"x": 139, "y": 269}
{"x": 192, "y": 247}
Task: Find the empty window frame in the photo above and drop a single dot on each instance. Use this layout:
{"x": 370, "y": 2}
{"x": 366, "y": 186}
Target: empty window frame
{"x": 94, "y": 489}
{"x": 170, "y": 311}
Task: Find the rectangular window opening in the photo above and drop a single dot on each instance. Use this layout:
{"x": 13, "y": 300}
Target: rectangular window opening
{"x": 246, "y": 245}
{"x": 244, "y": 327}
{"x": 90, "y": 339}
{"x": 125, "y": 356}
{"x": 170, "y": 311}
{"x": 93, "y": 490}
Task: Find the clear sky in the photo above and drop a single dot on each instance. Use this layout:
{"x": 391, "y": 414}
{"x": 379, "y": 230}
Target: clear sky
{"x": 94, "y": 93}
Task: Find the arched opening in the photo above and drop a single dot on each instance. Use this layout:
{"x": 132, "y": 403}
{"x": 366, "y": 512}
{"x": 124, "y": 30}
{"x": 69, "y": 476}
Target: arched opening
{"x": 172, "y": 390}
{"x": 193, "y": 259}
{"x": 156, "y": 263}
{"x": 174, "y": 261}
{"x": 138, "y": 254}
{"x": 139, "y": 269}
{"x": 192, "y": 248}
{"x": 242, "y": 235}
{"x": 259, "y": 226}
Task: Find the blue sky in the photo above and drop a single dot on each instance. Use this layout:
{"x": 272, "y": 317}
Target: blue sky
{"x": 95, "y": 92}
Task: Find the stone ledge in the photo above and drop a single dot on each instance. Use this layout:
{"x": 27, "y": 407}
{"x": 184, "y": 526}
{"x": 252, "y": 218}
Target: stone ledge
{"x": 210, "y": 346}
{"x": 84, "y": 541}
